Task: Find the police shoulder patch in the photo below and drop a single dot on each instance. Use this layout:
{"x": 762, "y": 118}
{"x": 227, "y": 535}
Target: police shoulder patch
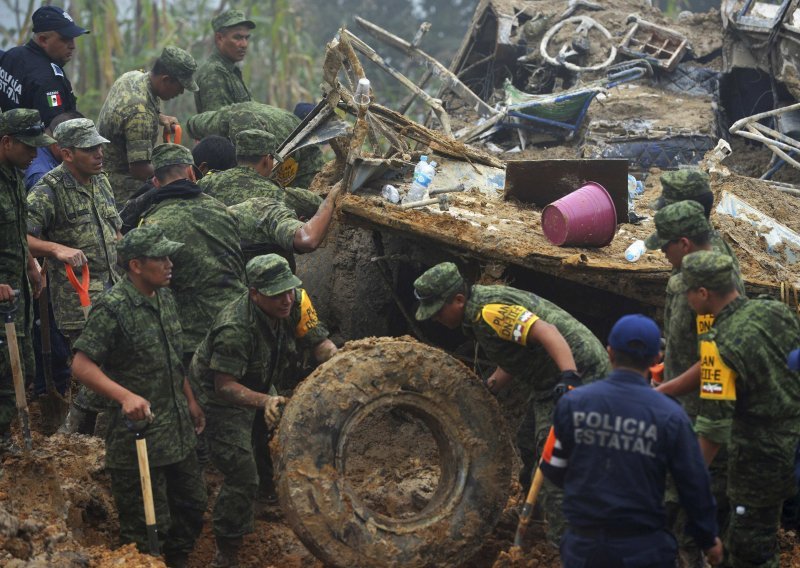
{"x": 511, "y": 323}
{"x": 57, "y": 71}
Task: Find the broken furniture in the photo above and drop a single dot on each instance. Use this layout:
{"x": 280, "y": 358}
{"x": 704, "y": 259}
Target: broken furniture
{"x": 782, "y": 145}
{"x": 659, "y": 45}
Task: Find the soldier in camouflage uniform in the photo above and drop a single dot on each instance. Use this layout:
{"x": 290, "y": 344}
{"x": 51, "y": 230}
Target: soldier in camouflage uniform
{"x": 130, "y": 352}
{"x": 130, "y": 118}
{"x": 527, "y": 337}
{"x": 209, "y": 269}
{"x": 72, "y": 218}
{"x": 250, "y": 177}
{"x": 218, "y": 78}
{"x": 267, "y": 225}
{"x": 682, "y": 228}
{"x": 246, "y": 350}
{"x": 743, "y": 360}
{"x": 298, "y": 170}
{"x": 21, "y": 132}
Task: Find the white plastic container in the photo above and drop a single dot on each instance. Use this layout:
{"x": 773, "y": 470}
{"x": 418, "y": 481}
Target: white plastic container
{"x": 423, "y": 176}
{"x": 635, "y": 251}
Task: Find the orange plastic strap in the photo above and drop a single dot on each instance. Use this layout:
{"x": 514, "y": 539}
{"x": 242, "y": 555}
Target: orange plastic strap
{"x": 82, "y": 287}
{"x": 549, "y": 445}
{"x": 176, "y": 138}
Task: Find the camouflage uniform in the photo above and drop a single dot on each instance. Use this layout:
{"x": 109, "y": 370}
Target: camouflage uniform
{"x": 266, "y": 226}
{"x": 14, "y": 255}
{"x": 230, "y": 120}
{"x": 498, "y": 318}
{"x": 219, "y": 79}
{"x": 687, "y": 219}
{"x": 209, "y": 269}
{"x": 136, "y": 340}
{"x": 84, "y": 217}
{"x": 242, "y": 182}
{"x": 256, "y": 350}
{"x": 129, "y": 119}
{"x": 743, "y": 360}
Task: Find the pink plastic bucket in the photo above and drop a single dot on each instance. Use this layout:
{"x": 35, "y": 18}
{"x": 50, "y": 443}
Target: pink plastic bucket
{"x": 585, "y": 217}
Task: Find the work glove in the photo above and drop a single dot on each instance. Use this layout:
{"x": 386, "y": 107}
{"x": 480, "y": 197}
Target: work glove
{"x": 273, "y": 409}
{"x": 565, "y": 382}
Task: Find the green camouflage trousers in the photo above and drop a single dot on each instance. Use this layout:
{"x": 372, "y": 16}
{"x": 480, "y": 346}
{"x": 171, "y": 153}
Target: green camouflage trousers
{"x": 229, "y": 432}
{"x": 752, "y": 537}
{"x": 8, "y": 406}
{"x": 179, "y": 498}
{"x": 531, "y": 436}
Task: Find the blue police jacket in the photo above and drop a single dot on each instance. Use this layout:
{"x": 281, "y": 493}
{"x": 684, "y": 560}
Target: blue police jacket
{"x": 30, "y": 79}
{"x": 41, "y": 164}
{"x": 615, "y": 441}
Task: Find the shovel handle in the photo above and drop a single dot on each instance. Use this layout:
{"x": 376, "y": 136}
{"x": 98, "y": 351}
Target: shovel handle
{"x": 81, "y": 287}
{"x": 176, "y": 136}
{"x": 19, "y": 385}
{"x": 147, "y": 495}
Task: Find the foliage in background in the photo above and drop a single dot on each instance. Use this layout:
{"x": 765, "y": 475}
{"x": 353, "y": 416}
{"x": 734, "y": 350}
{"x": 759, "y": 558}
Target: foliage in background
{"x": 283, "y": 65}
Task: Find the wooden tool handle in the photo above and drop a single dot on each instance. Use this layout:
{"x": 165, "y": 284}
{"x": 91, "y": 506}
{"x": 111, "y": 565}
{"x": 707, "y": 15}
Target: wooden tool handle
{"x": 19, "y": 384}
{"x": 147, "y": 495}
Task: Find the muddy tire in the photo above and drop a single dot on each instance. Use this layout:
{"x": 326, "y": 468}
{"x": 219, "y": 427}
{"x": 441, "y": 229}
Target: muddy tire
{"x": 310, "y": 453}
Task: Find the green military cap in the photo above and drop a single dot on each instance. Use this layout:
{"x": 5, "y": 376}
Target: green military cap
{"x": 683, "y": 184}
{"x": 179, "y": 65}
{"x": 78, "y": 133}
{"x": 25, "y": 125}
{"x": 681, "y": 219}
{"x": 229, "y": 19}
{"x": 146, "y": 241}
{"x": 707, "y": 269}
{"x": 270, "y": 274}
{"x": 255, "y": 143}
{"x": 170, "y": 155}
{"x": 434, "y": 287}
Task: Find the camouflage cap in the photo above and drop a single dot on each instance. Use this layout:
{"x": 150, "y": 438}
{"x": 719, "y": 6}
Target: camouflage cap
{"x": 78, "y": 133}
{"x": 170, "y": 155}
{"x": 681, "y": 219}
{"x": 146, "y": 241}
{"x": 179, "y": 65}
{"x": 707, "y": 269}
{"x": 231, "y": 18}
{"x": 434, "y": 287}
{"x": 270, "y": 274}
{"x": 682, "y": 184}
{"x": 254, "y": 143}
{"x": 25, "y": 125}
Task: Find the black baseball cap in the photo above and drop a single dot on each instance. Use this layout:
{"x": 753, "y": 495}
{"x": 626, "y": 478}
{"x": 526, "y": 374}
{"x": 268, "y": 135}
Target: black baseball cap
{"x": 55, "y": 19}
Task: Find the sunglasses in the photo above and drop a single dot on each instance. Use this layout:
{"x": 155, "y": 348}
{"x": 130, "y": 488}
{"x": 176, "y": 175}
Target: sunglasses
{"x": 35, "y": 130}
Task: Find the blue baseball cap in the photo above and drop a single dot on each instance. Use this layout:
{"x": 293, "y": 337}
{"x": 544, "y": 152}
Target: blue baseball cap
{"x": 794, "y": 360}
{"x": 54, "y": 19}
{"x": 636, "y": 335}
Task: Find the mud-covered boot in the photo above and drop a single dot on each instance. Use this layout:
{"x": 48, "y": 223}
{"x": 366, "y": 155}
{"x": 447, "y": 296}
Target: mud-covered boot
{"x": 78, "y": 421}
{"x": 227, "y": 554}
{"x": 176, "y": 559}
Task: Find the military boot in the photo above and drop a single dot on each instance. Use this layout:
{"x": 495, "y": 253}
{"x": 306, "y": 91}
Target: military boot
{"x": 227, "y": 553}
{"x": 176, "y": 559}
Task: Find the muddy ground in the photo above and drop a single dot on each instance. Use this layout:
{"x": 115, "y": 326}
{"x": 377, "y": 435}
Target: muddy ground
{"x": 56, "y": 508}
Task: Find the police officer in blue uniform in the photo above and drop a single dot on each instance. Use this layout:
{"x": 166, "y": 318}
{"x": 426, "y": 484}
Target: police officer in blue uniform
{"x": 615, "y": 440}
{"x": 32, "y": 75}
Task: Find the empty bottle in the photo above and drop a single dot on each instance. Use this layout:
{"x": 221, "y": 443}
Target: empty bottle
{"x": 423, "y": 175}
{"x": 635, "y": 251}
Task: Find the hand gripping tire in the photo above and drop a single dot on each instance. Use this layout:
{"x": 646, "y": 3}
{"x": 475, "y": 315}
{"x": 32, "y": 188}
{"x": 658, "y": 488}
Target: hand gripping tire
{"x": 310, "y": 453}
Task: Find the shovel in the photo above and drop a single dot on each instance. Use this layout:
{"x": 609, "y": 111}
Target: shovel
{"x": 82, "y": 287}
{"x": 138, "y": 429}
{"x": 54, "y": 407}
{"x": 16, "y": 371}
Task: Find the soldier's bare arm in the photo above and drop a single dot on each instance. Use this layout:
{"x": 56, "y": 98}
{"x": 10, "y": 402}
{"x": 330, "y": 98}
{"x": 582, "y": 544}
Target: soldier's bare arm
{"x": 685, "y": 383}
{"x": 324, "y": 350}
{"x": 498, "y": 380}
{"x": 548, "y": 336}
{"x": 308, "y": 237}
{"x": 62, "y": 253}
{"x": 89, "y": 373}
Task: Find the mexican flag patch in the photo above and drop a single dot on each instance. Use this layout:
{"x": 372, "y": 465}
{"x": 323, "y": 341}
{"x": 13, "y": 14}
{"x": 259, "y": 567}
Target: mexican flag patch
{"x": 53, "y": 99}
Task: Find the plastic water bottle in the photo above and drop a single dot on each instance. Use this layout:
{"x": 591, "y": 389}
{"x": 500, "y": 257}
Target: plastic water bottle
{"x": 635, "y": 187}
{"x": 390, "y": 193}
{"x": 423, "y": 175}
{"x": 635, "y": 251}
